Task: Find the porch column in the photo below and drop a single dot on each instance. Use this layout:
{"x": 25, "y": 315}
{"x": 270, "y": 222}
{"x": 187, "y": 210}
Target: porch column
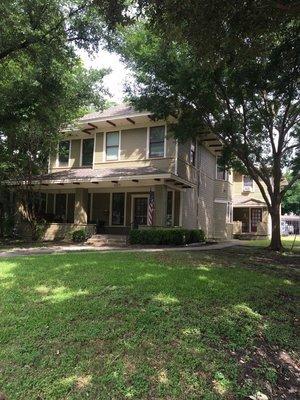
{"x": 160, "y": 198}
{"x": 81, "y": 206}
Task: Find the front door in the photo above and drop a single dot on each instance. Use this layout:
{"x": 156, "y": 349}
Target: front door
{"x": 140, "y": 210}
{"x": 256, "y": 217}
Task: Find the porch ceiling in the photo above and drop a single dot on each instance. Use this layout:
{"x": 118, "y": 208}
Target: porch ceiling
{"x": 83, "y": 177}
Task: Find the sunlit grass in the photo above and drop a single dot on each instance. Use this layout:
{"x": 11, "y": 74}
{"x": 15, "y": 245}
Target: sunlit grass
{"x": 140, "y": 326}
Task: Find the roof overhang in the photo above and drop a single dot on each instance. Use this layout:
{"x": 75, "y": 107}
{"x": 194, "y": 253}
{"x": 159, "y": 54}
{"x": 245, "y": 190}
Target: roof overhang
{"x": 169, "y": 179}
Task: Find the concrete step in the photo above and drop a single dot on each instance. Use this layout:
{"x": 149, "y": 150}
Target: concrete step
{"x": 107, "y": 240}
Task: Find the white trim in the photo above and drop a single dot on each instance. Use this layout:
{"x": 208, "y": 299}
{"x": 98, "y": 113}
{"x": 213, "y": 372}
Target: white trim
{"x": 91, "y": 206}
{"x": 223, "y": 201}
{"x": 125, "y": 208}
{"x": 133, "y": 196}
{"x": 148, "y": 142}
{"x": 104, "y": 147}
{"x": 180, "y": 209}
{"x": 173, "y": 205}
{"x": 94, "y": 152}
{"x": 80, "y": 152}
{"x": 176, "y": 158}
{"x": 119, "y": 145}
{"x": 110, "y": 209}
{"x": 165, "y": 142}
{"x": 104, "y": 119}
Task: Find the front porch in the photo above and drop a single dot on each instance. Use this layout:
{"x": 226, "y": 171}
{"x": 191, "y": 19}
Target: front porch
{"x": 250, "y": 222}
{"x": 108, "y": 210}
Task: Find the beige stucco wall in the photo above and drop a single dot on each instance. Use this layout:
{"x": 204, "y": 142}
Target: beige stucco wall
{"x": 238, "y": 188}
{"x": 133, "y": 144}
{"x": 98, "y": 157}
{"x": 75, "y": 153}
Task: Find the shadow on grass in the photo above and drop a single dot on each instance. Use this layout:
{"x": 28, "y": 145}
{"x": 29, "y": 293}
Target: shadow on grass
{"x": 144, "y": 326}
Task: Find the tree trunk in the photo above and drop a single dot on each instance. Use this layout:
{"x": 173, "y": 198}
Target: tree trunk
{"x": 276, "y": 244}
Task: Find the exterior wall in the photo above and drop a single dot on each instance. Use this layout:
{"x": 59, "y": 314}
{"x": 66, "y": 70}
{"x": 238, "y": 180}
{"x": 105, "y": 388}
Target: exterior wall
{"x": 207, "y": 164}
{"x": 133, "y": 152}
{"x": 133, "y": 144}
{"x": 193, "y": 208}
{"x": 56, "y": 231}
{"x": 238, "y": 189}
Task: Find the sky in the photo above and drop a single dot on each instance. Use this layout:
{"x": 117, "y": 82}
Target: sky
{"x": 114, "y": 81}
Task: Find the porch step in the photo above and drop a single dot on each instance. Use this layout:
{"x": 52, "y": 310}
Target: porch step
{"x": 107, "y": 240}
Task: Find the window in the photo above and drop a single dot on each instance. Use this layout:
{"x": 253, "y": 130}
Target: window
{"x": 112, "y": 146}
{"x": 222, "y": 172}
{"x": 63, "y": 153}
{"x": 170, "y": 208}
{"x": 87, "y": 152}
{"x": 229, "y": 213}
{"x": 193, "y": 154}
{"x": 61, "y": 207}
{"x": 157, "y": 141}
{"x": 247, "y": 184}
{"x": 118, "y": 203}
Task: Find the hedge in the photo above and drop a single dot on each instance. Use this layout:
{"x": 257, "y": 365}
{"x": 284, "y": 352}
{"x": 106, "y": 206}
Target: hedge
{"x": 166, "y": 236}
{"x": 79, "y": 236}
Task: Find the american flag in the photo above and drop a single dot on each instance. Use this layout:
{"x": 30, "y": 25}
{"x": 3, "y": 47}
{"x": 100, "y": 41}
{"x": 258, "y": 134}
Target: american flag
{"x": 151, "y": 208}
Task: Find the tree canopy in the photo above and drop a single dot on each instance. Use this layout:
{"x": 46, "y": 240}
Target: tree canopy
{"x": 228, "y": 68}
{"x": 43, "y": 84}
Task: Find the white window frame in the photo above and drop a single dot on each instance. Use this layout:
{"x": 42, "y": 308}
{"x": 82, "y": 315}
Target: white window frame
{"x": 226, "y": 173}
{"x": 251, "y": 188}
{"x": 148, "y": 142}
{"x": 173, "y": 204}
{"x": 133, "y": 196}
{"x": 57, "y": 154}
{"x": 229, "y": 213}
{"x": 81, "y": 150}
{"x": 104, "y": 146}
{"x": 110, "y": 208}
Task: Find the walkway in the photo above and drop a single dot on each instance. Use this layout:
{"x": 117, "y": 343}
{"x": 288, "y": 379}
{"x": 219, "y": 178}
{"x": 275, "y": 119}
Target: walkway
{"x": 58, "y": 249}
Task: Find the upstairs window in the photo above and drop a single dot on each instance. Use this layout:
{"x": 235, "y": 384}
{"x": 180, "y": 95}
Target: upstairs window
{"x": 63, "y": 153}
{"x": 157, "y": 141}
{"x": 247, "y": 184}
{"x": 112, "y": 146}
{"x": 193, "y": 154}
{"x": 222, "y": 172}
{"x": 87, "y": 152}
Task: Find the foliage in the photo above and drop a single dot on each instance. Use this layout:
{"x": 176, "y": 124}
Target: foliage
{"x": 233, "y": 76}
{"x": 291, "y": 200}
{"x": 172, "y": 325}
{"x": 43, "y": 84}
{"x": 79, "y": 236}
{"x": 168, "y": 236}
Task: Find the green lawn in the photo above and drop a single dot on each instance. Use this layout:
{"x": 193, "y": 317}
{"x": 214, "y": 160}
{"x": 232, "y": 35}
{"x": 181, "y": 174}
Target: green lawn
{"x": 192, "y": 325}
{"x": 287, "y": 241}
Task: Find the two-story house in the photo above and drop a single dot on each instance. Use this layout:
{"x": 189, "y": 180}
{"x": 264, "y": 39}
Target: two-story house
{"x": 117, "y": 163}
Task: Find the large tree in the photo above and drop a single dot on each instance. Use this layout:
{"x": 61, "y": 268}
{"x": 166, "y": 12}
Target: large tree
{"x": 43, "y": 84}
{"x": 230, "y": 68}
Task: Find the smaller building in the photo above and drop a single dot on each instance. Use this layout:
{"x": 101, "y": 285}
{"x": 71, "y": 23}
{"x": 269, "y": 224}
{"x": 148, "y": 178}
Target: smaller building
{"x": 250, "y": 214}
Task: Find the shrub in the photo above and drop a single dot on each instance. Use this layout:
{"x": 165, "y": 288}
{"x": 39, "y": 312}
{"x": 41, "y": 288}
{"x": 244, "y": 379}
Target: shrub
{"x": 79, "y": 236}
{"x": 166, "y": 236}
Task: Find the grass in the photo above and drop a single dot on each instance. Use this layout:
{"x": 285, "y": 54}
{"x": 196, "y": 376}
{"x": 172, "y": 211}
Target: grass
{"x": 192, "y": 325}
{"x": 287, "y": 242}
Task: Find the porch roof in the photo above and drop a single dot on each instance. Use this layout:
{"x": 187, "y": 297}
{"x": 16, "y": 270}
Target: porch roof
{"x": 240, "y": 201}
{"x": 114, "y": 175}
